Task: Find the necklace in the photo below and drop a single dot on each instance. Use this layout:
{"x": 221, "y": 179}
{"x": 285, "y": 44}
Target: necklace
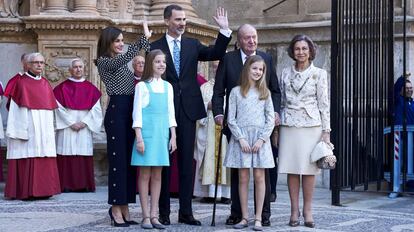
{"x": 297, "y": 91}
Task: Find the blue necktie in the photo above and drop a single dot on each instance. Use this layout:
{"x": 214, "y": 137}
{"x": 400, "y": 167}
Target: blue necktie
{"x": 176, "y": 57}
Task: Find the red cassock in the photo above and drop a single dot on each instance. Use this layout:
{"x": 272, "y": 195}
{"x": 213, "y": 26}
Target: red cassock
{"x": 9, "y": 88}
{"x": 76, "y": 171}
{"x": 1, "y": 155}
{"x": 32, "y": 176}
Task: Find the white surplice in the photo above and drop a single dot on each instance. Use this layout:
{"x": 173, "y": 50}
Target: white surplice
{"x": 30, "y": 133}
{"x": 70, "y": 142}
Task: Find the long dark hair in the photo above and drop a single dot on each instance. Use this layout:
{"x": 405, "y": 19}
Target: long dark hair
{"x": 108, "y": 36}
{"x": 148, "y": 73}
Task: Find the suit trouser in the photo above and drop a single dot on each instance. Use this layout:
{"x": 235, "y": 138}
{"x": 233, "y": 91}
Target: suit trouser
{"x": 185, "y": 150}
{"x": 235, "y": 199}
{"x": 273, "y": 171}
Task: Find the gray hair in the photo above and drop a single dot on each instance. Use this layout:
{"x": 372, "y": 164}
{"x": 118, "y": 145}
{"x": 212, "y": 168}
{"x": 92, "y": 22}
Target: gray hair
{"x": 31, "y": 56}
{"x": 243, "y": 27}
{"x": 76, "y": 60}
{"x": 24, "y": 57}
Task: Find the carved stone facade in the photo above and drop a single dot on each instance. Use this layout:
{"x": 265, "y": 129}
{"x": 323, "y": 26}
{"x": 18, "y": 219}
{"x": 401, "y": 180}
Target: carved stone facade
{"x": 65, "y": 29}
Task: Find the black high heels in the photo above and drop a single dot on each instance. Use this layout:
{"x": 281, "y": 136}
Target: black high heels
{"x": 129, "y": 222}
{"x": 113, "y": 222}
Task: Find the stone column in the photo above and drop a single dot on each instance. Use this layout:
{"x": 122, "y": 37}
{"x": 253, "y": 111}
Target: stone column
{"x": 85, "y": 7}
{"x": 56, "y": 7}
{"x": 157, "y": 8}
{"x": 141, "y": 9}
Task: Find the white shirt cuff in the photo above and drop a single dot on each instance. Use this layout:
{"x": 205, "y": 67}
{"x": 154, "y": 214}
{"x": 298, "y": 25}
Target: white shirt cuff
{"x": 226, "y": 32}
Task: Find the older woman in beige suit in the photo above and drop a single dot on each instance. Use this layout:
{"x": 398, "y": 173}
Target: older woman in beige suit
{"x": 305, "y": 120}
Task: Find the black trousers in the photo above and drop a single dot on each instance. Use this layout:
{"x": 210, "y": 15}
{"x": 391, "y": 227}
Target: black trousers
{"x": 273, "y": 171}
{"x": 185, "y": 150}
{"x": 122, "y": 177}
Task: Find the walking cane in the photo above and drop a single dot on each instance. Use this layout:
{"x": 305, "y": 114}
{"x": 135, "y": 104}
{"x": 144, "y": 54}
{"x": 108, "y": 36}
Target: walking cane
{"x": 213, "y": 220}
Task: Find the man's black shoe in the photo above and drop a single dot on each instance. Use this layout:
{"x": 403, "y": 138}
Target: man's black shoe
{"x": 233, "y": 220}
{"x": 226, "y": 201}
{"x": 273, "y": 197}
{"x": 207, "y": 200}
{"x": 265, "y": 222}
{"x": 189, "y": 220}
{"x": 164, "y": 219}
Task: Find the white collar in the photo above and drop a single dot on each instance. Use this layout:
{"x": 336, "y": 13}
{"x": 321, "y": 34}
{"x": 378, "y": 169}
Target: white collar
{"x": 171, "y": 39}
{"x": 243, "y": 55}
{"x": 158, "y": 79}
{"x": 76, "y": 80}
{"x": 34, "y": 77}
{"x": 304, "y": 72}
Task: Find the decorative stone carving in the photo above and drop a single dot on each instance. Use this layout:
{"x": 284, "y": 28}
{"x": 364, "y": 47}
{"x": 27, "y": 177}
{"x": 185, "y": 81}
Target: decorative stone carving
{"x": 102, "y": 7}
{"x": 58, "y": 61}
{"x": 130, "y": 6}
{"x": 141, "y": 9}
{"x": 9, "y": 8}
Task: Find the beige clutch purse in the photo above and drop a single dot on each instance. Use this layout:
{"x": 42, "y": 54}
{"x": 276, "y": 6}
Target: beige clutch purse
{"x": 323, "y": 155}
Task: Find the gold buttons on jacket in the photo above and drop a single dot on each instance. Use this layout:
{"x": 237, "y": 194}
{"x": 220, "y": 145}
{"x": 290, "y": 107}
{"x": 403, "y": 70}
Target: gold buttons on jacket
{"x": 114, "y": 169}
{"x": 113, "y": 137}
{"x": 113, "y": 106}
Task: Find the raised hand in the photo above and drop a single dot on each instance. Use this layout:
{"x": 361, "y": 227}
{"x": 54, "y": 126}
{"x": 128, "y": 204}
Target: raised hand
{"x": 147, "y": 31}
{"x": 221, "y": 18}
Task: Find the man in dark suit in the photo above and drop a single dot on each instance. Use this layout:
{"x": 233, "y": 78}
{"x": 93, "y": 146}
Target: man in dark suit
{"x": 227, "y": 77}
{"x": 182, "y": 56}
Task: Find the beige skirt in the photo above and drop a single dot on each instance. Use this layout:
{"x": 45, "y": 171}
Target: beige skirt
{"x": 295, "y": 146}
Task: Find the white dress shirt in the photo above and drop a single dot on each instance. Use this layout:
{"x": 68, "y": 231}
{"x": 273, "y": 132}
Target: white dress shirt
{"x": 141, "y": 100}
{"x": 244, "y": 56}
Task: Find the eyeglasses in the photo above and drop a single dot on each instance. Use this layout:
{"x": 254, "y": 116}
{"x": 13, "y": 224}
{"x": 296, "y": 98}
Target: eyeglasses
{"x": 37, "y": 62}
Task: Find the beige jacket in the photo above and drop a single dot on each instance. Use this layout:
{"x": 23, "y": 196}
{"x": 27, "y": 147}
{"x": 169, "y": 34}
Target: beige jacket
{"x": 305, "y": 99}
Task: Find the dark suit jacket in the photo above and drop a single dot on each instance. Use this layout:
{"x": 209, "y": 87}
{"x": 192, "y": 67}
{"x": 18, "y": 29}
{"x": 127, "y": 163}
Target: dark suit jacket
{"x": 228, "y": 76}
{"x": 187, "y": 92}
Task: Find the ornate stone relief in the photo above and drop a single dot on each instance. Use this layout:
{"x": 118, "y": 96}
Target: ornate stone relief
{"x": 10, "y": 8}
{"x": 130, "y": 6}
{"x": 58, "y": 61}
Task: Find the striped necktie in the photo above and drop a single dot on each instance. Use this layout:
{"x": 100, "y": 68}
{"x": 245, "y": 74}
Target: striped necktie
{"x": 176, "y": 57}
